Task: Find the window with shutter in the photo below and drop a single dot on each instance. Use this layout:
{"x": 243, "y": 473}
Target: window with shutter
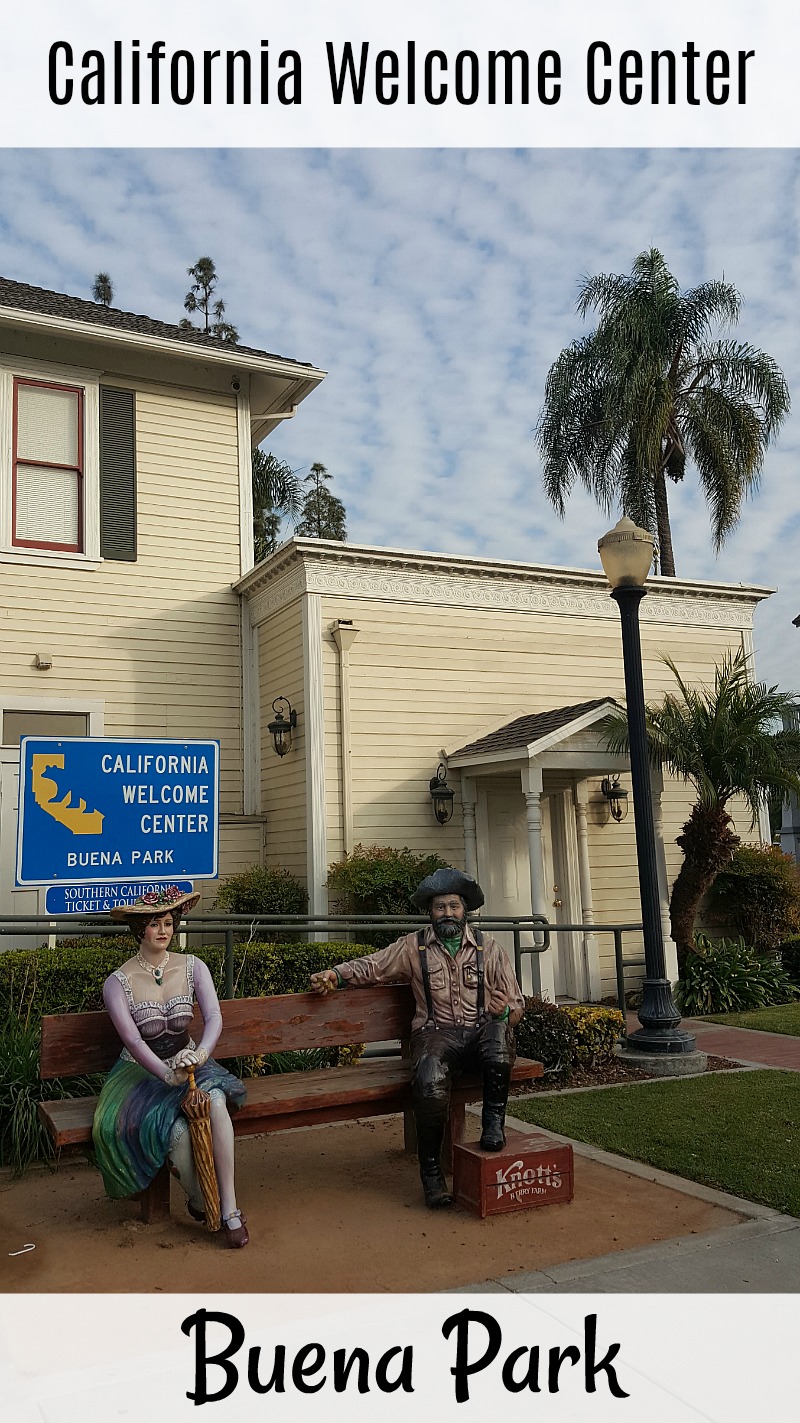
{"x": 48, "y": 464}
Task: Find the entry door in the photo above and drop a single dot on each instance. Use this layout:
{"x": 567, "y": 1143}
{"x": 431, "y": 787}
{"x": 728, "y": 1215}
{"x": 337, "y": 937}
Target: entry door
{"x": 560, "y": 879}
{"x": 13, "y": 901}
{"x": 504, "y": 866}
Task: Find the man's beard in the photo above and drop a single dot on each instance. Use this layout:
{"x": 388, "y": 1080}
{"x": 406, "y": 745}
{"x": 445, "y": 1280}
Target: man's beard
{"x": 447, "y": 927}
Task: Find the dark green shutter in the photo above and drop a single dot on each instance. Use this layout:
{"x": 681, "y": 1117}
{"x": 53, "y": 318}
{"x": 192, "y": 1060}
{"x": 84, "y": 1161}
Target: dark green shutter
{"x": 117, "y": 474}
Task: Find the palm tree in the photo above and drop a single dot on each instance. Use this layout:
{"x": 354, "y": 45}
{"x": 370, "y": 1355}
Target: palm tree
{"x": 626, "y": 407}
{"x": 720, "y": 740}
{"x": 276, "y": 492}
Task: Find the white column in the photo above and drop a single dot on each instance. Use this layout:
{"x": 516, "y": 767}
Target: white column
{"x": 251, "y": 716}
{"x": 591, "y": 957}
{"x": 468, "y": 806}
{"x": 245, "y": 451}
{"x": 670, "y": 951}
{"x": 543, "y": 979}
{"x": 344, "y": 635}
{"x": 314, "y": 736}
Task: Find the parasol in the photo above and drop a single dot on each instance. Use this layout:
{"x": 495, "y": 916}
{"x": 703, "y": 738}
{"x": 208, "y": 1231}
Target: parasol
{"x": 196, "y": 1107}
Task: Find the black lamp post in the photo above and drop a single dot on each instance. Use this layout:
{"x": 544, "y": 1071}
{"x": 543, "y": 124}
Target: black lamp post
{"x": 627, "y": 553}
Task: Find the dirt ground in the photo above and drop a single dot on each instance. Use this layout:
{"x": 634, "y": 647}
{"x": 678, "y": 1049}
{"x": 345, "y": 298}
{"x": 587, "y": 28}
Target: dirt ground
{"x": 330, "y": 1209}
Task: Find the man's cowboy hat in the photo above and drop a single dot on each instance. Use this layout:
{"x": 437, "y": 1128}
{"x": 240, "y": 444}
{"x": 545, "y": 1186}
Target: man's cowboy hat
{"x": 157, "y": 901}
{"x": 448, "y": 882}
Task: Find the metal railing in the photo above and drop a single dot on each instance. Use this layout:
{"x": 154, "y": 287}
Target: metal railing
{"x": 244, "y": 927}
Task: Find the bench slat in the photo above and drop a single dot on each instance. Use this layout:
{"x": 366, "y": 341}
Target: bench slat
{"x": 292, "y": 1099}
{"x": 76, "y": 1043}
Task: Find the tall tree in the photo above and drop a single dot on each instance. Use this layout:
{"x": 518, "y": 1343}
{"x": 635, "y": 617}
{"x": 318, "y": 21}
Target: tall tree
{"x": 721, "y": 740}
{"x": 322, "y": 515}
{"x": 276, "y": 493}
{"x": 199, "y": 298}
{"x": 103, "y": 289}
{"x": 650, "y": 390}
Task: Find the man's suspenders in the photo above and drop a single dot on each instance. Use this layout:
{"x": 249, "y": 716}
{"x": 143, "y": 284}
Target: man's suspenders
{"x": 426, "y": 977}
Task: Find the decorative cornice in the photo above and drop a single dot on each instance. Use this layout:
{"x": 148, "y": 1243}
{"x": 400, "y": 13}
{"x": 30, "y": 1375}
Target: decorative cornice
{"x": 355, "y": 571}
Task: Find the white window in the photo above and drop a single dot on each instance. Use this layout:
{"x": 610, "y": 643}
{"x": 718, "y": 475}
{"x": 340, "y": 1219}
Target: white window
{"x": 48, "y": 466}
{"x": 49, "y": 449}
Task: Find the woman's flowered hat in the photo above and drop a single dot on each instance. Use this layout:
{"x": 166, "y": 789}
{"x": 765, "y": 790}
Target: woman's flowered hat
{"x": 157, "y": 901}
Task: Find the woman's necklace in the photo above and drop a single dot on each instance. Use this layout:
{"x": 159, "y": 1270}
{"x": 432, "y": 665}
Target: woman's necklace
{"x": 157, "y": 970}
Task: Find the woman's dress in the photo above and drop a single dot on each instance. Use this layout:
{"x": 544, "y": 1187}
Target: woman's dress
{"x": 138, "y": 1117}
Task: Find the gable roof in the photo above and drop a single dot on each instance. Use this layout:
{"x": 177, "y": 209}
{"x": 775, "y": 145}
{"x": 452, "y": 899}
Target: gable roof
{"x": 19, "y": 296}
{"x": 526, "y": 730}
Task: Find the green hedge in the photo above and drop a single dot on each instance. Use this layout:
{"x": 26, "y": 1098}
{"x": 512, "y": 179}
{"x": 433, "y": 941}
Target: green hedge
{"x": 790, "y": 958}
{"x": 728, "y": 977}
{"x": 70, "y": 977}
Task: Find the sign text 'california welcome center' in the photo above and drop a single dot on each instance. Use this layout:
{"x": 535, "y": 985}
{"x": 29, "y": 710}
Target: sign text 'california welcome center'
{"x": 95, "y": 810}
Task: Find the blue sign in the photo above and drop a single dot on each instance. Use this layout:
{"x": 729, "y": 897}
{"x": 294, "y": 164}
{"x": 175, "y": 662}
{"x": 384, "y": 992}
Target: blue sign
{"x": 102, "y": 898}
{"x": 99, "y": 811}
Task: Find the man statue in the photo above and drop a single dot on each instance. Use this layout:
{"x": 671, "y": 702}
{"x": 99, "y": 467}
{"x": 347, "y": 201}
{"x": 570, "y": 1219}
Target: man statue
{"x": 467, "y": 1003}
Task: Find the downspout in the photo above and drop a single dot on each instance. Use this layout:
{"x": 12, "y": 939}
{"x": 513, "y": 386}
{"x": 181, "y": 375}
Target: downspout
{"x": 344, "y": 635}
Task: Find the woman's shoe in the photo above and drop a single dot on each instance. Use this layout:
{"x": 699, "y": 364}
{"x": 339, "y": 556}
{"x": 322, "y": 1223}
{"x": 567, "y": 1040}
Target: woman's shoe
{"x": 236, "y": 1237}
{"x": 195, "y": 1213}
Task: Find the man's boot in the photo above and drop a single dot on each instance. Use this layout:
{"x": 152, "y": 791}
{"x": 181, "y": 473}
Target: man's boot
{"x": 430, "y": 1136}
{"x": 496, "y": 1082}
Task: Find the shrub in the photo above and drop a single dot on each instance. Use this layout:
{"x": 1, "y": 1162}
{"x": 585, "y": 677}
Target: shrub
{"x": 379, "y": 880}
{"x": 261, "y": 890}
{"x": 790, "y": 958}
{"x": 730, "y": 977}
{"x": 23, "y": 1138}
{"x": 597, "y": 1032}
{"x": 70, "y": 977}
{"x": 548, "y": 1034}
{"x": 758, "y": 895}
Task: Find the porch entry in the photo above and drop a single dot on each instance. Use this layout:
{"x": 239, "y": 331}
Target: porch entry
{"x": 504, "y": 873}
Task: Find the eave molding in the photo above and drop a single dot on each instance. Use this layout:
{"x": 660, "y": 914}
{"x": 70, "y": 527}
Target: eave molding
{"x": 352, "y": 571}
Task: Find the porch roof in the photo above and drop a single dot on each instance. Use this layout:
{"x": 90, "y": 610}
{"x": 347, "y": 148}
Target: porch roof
{"x": 535, "y": 732}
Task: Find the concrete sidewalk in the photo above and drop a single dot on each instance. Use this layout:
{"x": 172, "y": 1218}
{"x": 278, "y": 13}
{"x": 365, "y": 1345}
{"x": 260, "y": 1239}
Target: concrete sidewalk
{"x": 760, "y": 1255}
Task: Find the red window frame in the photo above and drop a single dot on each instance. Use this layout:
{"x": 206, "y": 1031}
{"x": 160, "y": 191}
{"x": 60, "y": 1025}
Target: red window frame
{"x": 77, "y": 470}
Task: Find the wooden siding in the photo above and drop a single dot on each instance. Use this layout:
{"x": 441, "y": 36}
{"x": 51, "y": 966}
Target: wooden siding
{"x": 157, "y": 640}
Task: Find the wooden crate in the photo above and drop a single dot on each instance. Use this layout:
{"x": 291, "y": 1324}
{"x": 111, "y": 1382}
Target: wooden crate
{"x": 531, "y": 1170}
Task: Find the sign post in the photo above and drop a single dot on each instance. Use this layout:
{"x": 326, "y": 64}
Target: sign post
{"x": 96, "y": 811}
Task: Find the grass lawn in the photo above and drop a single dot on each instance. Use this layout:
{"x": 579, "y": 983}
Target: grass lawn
{"x": 738, "y": 1131}
{"x": 783, "y": 1019}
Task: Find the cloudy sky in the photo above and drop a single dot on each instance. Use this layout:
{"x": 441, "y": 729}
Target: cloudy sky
{"x": 436, "y": 287}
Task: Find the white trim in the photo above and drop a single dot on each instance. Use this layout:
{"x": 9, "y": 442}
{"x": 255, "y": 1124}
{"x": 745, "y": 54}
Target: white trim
{"x": 344, "y": 636}
{"x": 251, "y": 716}
{"x": 314, "y": 736}
{"x": 201, "y": 354}
{"x": 246, "y": 549}
{"x": 95, "y": 710}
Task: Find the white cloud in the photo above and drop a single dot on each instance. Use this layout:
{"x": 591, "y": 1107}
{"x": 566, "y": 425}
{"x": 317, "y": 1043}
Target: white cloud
{"x": 437, "y": 287}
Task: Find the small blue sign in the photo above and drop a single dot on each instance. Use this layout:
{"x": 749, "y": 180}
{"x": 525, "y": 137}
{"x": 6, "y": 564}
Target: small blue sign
{"x": 102, "y": 898}
{"x": 99, "y": 811}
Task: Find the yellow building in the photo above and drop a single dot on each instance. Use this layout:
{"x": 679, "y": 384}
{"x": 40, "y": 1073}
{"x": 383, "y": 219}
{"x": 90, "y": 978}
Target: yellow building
{"x": 131, "y": 608}
{"x": 125, "y": 519}
{"x": 398, "y": 661}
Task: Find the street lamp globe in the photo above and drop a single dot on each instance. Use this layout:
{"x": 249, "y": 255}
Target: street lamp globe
{"x": 626, "y": 553}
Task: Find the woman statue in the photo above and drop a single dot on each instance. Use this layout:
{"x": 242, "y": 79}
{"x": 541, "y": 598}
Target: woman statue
{"x": 139, "y": 1124}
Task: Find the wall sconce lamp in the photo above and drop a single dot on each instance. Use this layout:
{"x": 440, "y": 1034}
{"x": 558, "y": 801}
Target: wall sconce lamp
{"x": 282, "y": 727}
{"x": 441, "y": 795}
{"x": 616, "y": 796}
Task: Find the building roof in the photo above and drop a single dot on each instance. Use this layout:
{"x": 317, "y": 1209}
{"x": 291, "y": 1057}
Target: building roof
{"x": 525, "y": 730}
{"x": 19, "y": 296}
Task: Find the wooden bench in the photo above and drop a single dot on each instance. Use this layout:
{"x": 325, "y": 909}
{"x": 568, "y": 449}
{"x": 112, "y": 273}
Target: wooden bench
{"x": 77, "y": 1043}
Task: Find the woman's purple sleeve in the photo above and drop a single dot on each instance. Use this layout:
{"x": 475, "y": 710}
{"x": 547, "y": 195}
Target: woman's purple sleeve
{"x": 120, "y": 1015}
{"x": 208, "y": 1004}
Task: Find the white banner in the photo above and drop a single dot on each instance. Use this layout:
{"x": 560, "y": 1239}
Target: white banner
{"x": 671, "y": 1359}
{"x": 429, "y": 73}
